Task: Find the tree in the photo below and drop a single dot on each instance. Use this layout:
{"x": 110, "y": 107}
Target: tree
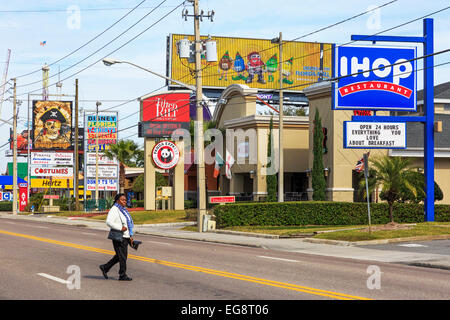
{"x": 160, "y": 181}
{"x": 318, "y": 179}
{"x": 124, "y": 151}
{"x": 271, "y": 179}
{"x": 395, "y": 175}
{"x": 418, "y": 180}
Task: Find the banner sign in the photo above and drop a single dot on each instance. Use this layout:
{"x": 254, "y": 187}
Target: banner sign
{"x": 105, "y": 130}
{"x": 161, "y": 114}
{"x": 103, "y": 184}
{"x": 103, "y": 172}
{"x": 40, "y": 171}
{"x": 52, "y": 158}
{"x": 390, "y": 85}
{"x": 374, "y": 135}
{"x": 52, "y": 125}
{"x": 253, "y": 62}
{"x": 102, "y": 159}
{"x": 165, "y": 154}
{"x": 160, "y": 129}
{"x": 53, "y": 183}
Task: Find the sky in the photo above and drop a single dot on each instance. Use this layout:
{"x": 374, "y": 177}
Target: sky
{"x": 68, "y": 25}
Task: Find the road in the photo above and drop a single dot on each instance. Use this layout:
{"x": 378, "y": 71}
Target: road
{"x": 42, "y": 260}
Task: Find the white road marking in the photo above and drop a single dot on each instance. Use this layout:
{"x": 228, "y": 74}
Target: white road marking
{"x": 89, "y": 234}
{"x": 41, "y": 227}
{"x": 411, "y": 245}
{"x": 288, "y": 260}
{"x": 10, "y": 222}
{"x": 169, "y": 244}
{"x": 53, "y": 278}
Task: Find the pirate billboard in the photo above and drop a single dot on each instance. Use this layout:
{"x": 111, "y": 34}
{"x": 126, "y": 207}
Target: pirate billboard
{"x": 52, "y": 125}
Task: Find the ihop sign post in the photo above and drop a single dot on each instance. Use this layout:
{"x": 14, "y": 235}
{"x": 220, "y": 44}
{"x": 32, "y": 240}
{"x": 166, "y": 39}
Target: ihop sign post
{"x": 401, "y": 78}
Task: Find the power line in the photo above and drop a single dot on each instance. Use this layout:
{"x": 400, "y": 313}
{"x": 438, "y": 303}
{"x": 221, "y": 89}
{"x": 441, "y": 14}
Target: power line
{"x": 120, "y": 47}
{"x": 79, "y": 48}
{"x": 107, "y": 44}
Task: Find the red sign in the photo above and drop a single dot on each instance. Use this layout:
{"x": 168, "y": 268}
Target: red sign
{"x": 362, "y": 112}
{"x": 165, "y": 154}
{"x": 51, "y": 196}
{"x": 23, "y": 198}
{"x": 222, "y": 199}
{"x": 168, "y": 107}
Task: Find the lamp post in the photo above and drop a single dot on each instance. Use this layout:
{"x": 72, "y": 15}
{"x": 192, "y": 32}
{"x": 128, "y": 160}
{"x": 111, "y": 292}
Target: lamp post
{"x": 201, "y": 176}
{"x": 279, "y": 40}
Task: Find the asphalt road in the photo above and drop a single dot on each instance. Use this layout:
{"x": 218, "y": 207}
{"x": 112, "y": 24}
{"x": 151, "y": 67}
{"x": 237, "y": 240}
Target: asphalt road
{"x": 42, "y": 261}
{"x": 435, "y": 246}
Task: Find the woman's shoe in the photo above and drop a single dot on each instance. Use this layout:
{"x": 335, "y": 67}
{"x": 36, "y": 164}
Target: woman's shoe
{"x": 102, "y": 268}
{"x": 125, "y": 278}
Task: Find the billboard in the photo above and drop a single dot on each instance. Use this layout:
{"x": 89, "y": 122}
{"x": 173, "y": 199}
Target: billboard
{"x": 375, "y": 78}
{"x": 51, "y": 158}
{"x": 103, "y": 171}
{"x": 163, "y": 113}
{"x": 103, "y": 184}
{"x": 52, "y": 183}
{"x": 41, "y": 171}
{"x": 105, "y": 130}
{"x": 254, "y": 62}
{"x": 52, "y": 125}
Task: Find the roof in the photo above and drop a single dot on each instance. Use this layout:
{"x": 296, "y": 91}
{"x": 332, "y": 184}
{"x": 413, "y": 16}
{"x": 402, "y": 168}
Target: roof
{"x": 8, "y": 180}
{"x": 441, "y": 91}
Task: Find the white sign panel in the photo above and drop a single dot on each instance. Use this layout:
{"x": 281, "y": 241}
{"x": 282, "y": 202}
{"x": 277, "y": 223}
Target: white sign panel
{"x": 40, "y": 171}
{"x": 103, "y": 172}
{"x": 102, "y": 159}
{"x": 52, "y": 158}
{"x": 374, "y": 135}
{"x": 103, "y": 184}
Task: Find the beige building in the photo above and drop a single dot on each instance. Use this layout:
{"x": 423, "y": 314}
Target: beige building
{"x": 237, "y": 109}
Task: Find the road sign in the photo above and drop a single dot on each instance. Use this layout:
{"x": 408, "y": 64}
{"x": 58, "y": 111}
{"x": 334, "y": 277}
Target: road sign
{"x": 375, "y": 78}
{"x": 222, "y": 199}
{"x": 374, "y": 135}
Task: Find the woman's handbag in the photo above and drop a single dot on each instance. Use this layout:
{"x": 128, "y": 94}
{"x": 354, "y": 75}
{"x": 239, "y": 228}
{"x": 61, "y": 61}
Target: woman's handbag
{"x": 115, "y": 235}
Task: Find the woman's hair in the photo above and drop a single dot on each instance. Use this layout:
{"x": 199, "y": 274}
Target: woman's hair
{"x": 117, "y": 197}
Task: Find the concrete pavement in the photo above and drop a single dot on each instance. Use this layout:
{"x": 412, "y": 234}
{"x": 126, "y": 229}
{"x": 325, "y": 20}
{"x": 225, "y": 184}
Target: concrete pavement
{"x": 301, "y": 245}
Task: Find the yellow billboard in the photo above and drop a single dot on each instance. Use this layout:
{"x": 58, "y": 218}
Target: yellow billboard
{"x": 54, "y": 183}
{"x": 254, "y": 62}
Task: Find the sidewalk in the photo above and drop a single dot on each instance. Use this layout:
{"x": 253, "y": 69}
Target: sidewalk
{"x": 301, "y": 245}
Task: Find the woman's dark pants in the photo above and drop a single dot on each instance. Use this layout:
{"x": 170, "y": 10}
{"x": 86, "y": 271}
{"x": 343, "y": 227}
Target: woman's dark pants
{"x": 121, "y": 249}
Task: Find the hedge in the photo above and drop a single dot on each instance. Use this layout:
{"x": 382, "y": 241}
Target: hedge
{"x": 320, "y": 213}
{"x": 6, "y": 206}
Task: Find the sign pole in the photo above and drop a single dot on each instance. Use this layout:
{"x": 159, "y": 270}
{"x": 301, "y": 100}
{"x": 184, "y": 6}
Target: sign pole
{"x": 366, "y": 174}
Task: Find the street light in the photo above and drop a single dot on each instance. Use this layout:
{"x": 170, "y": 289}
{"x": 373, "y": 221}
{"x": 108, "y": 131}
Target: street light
{"x": 110, "y": 61}
{"x": 201, "y": 177}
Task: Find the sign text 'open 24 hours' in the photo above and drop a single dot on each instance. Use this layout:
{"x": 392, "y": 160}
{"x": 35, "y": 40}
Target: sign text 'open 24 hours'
{"x": 374, "y": 135}
{"x": 165, "y": 154}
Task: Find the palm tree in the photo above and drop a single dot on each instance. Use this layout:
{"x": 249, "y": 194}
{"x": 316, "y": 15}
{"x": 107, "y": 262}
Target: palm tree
{"x": 394, "y": 174}
{"x": 124, "y": 151}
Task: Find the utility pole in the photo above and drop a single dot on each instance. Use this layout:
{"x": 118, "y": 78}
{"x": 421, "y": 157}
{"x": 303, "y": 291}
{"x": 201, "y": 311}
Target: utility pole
{"x": 280, "y": 127}
{"x": 75, "y": 148}
{"x": 201, "y": 177}
{"x": 98, "y": 103}
{"x": 14, "y": 206}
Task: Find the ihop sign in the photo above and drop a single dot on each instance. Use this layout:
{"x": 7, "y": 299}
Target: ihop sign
{"x": 375, "y": 78}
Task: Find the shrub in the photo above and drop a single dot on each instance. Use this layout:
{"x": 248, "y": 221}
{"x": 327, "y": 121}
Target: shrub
{"x": 6, "y": 206}
{"x": 320, "y": 213}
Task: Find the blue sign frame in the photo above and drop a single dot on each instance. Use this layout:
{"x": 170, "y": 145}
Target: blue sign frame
{"x": 375, "y": 78}
{"x": 427, "y": 40}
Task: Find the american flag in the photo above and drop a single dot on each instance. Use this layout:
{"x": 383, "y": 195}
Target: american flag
{"x": 360, "y": 164}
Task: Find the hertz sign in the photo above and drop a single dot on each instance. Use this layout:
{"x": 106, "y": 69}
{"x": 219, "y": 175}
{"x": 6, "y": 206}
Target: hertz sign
{"x": 375, "y": 78}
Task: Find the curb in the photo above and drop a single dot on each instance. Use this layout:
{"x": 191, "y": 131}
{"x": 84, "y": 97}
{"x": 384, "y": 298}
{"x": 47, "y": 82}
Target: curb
{"x": 247, "y": 234}
{"x": 373, "y": 242}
